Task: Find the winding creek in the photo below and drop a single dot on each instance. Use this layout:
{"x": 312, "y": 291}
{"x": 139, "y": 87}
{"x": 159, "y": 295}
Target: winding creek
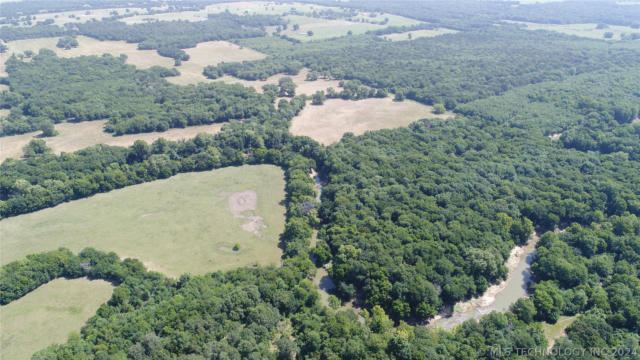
{"x": 497, "y": 297}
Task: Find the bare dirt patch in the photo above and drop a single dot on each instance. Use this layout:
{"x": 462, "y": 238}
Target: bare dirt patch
{"x": 247, "y": 201}
{"x": 327, "y": 123}
{"x": 243, "y": 201}
{"x": 76, "y": 136}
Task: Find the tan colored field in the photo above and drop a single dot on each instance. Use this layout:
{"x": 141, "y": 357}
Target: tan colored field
{"x": 582, "y": 30}
{"x": 418, "y": 34}
{"x": 82, "y": 16}
{"x": 211, "y": 53}
{"x": 327, "y": 123}
{"x": 48, "y": 314}
{"x": 188, "y": 223}
{"x": 88, "y": 46}
{"x": 76, "y": 136}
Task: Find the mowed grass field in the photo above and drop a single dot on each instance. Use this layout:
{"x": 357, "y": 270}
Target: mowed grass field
{"x": 76, "y": 136}
{"x": 417, "y": 34}
{"x": 48, "y": 314}
{"x": 211, "y": 53}
{"x": 88, "y": 46}
{"x": 583, "y": 30}
{"x": 187, "y": 223}
{"x": 328, "y": 122}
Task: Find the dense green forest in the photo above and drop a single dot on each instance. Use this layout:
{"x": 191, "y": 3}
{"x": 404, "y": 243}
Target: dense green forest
{"x": 405, "y": 210}
{"x": 51, "y": 89}
{"x": 459, "y": 67}
{"x": 411, "y": 220}
{"x": 468, "y": 14}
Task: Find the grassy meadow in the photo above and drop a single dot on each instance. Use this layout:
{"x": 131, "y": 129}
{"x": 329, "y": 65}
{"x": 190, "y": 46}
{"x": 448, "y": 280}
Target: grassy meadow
{"x": 48, "y": 314}
{"x": 76, "y": 136}
{"x": 187, "y": 223}
{"x": 88, "y": 46}
{"x": 328, "y": 122}
{"x": 417, "y": 34}
{"x": 582, "y": 30}
{"x": 211, "y": 53}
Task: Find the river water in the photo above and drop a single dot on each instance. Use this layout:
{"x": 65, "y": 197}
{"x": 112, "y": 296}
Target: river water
{"x": 497, "y": 297}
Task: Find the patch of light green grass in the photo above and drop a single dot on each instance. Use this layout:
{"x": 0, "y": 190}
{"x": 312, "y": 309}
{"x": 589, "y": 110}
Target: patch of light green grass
{"x": 178, "y": 225}
{"x": 48, "y": 314}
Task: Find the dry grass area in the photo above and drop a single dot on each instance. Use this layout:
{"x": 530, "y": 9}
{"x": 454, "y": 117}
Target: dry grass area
{"x": 88, "y": 46}
{"x": 304, "y": 86}
{"x": 76, "y": 136}
{"x": 322, "y": 28}
{"x": 82, "y": 16}
{"x": 583, "y": 30}
{"x": 48, "y": 314}
{"x": 211, "y": 53}
{"x": 418, "y": 34}
{"x": 188, "y": 223}
{"x": 327, "y": 123}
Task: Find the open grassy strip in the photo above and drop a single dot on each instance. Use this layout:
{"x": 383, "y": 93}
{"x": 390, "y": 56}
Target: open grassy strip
{"x": 48, "y": 314}
{"x": 187, "y": 223}
{"x": 87, "y": 46}
{"x": 76, "y": 136}
{"x": 417, "y": 34}
{"x": 589, "y": 30}
{"x": 553, "y": 331}
{"x": 211, "y": 53}
{"x": 327, "y": 123}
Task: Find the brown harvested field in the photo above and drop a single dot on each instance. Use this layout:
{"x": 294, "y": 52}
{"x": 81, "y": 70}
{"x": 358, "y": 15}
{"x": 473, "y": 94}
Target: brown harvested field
{"x": 211, "y": 53}
{"x": 327, "y": 123}
{"x": 304, "y": 86}
{"x": 76, "y": 136}
{"x": 88, "y": 46}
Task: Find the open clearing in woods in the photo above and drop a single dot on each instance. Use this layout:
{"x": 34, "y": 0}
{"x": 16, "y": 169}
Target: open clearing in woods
{"x": 304, "y": 86}
{"x": 553, "y": 331}
{"x": 48, "y": 314}
{"x": 418, "y": 34}
{"x": 187, "y": 223}
{"x": 583, "y": 30}
{"x": 211, "y": 53}
{"x": 327, "y": 123}
{"x": 76, "y": 136}
{"x": 88, "y": 46}
{"x": 293, "y": 14}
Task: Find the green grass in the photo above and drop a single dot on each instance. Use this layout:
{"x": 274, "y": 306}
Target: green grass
{"x": 582, "y": 30}
{"x": 416, "y": 34}
{"x": 48, "y": 314}
{"x": 178, "y": 225}
{"x": 554, "y": 331}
